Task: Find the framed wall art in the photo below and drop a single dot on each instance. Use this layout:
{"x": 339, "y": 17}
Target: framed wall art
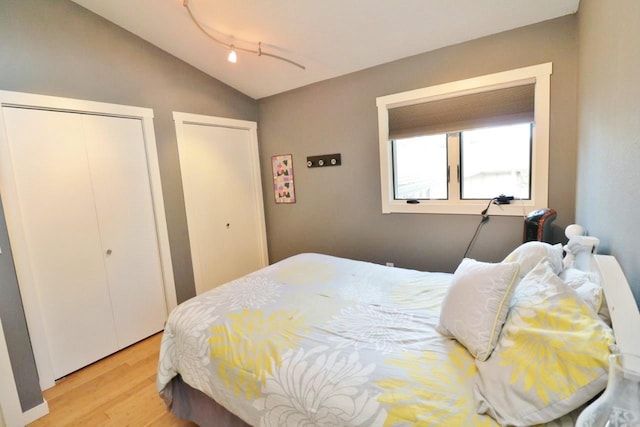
{"x": 282, "y": 166}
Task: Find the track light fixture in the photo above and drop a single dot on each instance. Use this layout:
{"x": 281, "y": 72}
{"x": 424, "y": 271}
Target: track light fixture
{"x": 233, "y": 56}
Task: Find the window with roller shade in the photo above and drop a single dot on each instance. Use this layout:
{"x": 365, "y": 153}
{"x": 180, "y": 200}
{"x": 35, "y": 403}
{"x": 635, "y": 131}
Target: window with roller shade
{"x": 452, "y": 152}
{"x": 493, "y": 131}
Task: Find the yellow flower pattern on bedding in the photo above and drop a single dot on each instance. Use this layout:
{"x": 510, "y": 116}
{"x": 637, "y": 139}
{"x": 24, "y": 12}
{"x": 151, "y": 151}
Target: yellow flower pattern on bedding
{"x": 319, "y": 340}
{"x": 436, "y": 391}
{"x": 250, "y": 344}
{"x": 552, "y": 356}
{"x": 555, "y": 339}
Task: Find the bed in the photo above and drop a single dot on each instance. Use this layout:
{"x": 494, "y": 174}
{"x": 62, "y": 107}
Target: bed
{"x": 320, "y": 340}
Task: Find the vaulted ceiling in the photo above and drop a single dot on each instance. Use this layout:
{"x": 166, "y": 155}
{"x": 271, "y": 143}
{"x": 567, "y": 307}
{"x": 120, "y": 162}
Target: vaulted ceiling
{"x": 328, "y": 37}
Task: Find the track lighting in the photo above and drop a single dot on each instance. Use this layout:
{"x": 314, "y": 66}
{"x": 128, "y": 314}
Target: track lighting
{"x": 233, "y": 56}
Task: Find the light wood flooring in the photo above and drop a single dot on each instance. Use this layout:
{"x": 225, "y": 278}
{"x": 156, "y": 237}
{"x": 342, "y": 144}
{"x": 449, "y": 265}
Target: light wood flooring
{"x": 119, "y": 390}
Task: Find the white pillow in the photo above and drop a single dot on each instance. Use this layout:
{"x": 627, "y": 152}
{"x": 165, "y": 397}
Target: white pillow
{"x": 586, "y": 285}
{"x": 476, "y": 304}
{"x": 529, "y": 254}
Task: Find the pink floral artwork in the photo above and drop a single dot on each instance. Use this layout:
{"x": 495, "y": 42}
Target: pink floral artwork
{"x": 282, "y": 166}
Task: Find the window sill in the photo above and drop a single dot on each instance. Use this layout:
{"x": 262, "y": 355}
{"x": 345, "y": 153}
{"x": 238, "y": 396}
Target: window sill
{"x": 472, "y": 207}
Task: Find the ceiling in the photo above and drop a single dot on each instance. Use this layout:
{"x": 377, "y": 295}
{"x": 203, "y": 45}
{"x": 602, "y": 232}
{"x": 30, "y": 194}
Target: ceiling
{"x": 329, "y": 37}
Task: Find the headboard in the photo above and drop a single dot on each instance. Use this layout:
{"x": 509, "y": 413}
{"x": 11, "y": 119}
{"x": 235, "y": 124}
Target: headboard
{"x": 625, "y": 316}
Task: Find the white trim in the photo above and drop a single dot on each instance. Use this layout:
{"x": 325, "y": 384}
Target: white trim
{"x": 161, "y": 220}
{"x": 14, "y": 222}
{"x": 182, "y": 119}
{"x": 30, "y": 415}
{"x": 188, "y": 118}
{"x": 623, "y": 309}
{"x": 26, "y": 100}
{"x": 469, "y": 86}
{"x": 538, "y": 74}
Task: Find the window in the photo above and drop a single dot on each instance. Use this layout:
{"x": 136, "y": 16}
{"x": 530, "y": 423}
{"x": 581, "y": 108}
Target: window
{"x": 496, "y": 160}
{"x": 420, "y": 167}
{"x": 493, "y": 160}
{"x": 450, "y": 148}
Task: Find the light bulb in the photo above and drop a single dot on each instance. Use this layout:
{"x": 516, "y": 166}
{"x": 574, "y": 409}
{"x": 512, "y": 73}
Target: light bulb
{"x": 233, "y": 57}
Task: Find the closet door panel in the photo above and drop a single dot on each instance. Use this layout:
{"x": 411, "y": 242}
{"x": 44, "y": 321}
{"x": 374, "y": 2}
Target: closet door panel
{"x": 122, "y": 191}
{"x": 60, "y": 225}
{"x": 221, "y": 203}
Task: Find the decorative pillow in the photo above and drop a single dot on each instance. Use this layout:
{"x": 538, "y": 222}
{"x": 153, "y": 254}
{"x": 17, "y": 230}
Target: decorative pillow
{"x": 551, "y": 358}
{"x": 476, "y": 304}
{"x": 529, "y": 254}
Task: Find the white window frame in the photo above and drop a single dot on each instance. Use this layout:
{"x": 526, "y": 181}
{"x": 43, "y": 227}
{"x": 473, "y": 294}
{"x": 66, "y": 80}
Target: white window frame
{"x": 540, "y": 75}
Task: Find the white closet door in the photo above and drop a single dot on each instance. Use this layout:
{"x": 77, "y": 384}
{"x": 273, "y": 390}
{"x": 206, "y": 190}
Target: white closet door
{"x": 223, "y": 202}
{"x": 60, "y": 226}
{"x": 122, "y": 191}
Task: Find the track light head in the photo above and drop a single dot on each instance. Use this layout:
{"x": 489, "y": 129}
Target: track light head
{"x": 233, "y": 56}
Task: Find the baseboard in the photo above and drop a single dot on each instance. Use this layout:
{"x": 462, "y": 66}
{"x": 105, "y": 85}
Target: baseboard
{"x": 36, "y": 412}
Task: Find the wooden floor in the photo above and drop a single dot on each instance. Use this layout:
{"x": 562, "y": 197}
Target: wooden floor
{"x": 117, "y": 391}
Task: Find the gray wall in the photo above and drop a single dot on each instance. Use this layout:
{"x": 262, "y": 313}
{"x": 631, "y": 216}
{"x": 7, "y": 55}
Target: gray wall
{"x": 609, "y": 129}
{"x": 55, "y": 47}
{"x": 23, "y": 364}
{"x": 338, "y": 210}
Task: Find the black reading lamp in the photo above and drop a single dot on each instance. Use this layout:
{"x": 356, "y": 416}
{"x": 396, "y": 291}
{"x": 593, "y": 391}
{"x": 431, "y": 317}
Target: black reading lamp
{"x": 537, "y": 224}
{"x": 500, "y": 200}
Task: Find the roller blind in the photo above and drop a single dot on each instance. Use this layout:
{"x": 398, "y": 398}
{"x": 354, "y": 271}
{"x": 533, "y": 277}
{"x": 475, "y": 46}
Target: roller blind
{"x": 484, "y": 109}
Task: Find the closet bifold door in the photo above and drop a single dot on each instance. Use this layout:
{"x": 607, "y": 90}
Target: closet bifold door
{"x": 62, "y": 237}
{"x": 117, "y": 163}
{"x": 220, "y": 169}
{"x": 85, "y": 200}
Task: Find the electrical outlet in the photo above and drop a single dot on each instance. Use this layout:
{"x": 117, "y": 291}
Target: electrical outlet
{"x": 390, "y": 264}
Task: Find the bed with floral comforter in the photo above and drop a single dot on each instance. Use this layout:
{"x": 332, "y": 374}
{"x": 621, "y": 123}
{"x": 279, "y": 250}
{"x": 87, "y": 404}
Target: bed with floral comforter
{"x": 320, "y": 340}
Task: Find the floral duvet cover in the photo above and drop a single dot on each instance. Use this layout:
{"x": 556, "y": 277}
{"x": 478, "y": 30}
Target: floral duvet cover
{"x": 320, "y": 340}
